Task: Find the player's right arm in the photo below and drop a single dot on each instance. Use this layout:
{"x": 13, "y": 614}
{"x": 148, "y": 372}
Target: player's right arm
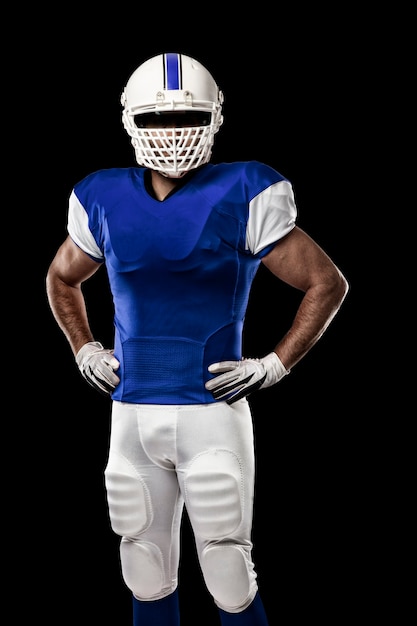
{"x": 68, "y": 270}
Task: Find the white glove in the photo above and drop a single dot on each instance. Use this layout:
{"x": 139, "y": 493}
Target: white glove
{"x": 243, "y": 377}
{"x": 98, "y": 365}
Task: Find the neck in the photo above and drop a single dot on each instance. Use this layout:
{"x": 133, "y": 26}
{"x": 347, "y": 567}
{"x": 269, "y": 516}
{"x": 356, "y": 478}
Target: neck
{"x": 162, "y": 185}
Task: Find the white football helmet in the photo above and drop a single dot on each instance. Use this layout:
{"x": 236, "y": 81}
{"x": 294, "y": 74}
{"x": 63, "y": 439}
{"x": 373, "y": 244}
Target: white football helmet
{"x": 160, "y": 88}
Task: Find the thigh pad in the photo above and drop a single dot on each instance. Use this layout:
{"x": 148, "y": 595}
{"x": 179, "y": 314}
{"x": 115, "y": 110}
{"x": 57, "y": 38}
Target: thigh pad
{"x": 214, "y": 494}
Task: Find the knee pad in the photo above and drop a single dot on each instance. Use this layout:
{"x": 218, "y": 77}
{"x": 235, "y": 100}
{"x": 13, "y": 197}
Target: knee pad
{"x": 214, "y": 494}
{"x": 142, "y": 569}
{"x": 229, "y": 576}
{"x": 128, "y": 498}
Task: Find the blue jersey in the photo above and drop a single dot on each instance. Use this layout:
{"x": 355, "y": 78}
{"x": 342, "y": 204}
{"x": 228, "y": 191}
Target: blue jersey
{"x": 180, "y": 271}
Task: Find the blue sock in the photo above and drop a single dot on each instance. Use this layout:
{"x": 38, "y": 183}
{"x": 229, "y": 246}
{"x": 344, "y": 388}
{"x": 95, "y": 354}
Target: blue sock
{"x": 254, "y": 615}
{"x": 165, "y": 611}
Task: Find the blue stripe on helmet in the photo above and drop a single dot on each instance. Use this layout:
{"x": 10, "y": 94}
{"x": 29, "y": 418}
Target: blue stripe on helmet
{"x": 173, "y": 74}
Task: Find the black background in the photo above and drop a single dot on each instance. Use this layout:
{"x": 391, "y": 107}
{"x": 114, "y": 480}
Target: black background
{"x": 292, "y": 100}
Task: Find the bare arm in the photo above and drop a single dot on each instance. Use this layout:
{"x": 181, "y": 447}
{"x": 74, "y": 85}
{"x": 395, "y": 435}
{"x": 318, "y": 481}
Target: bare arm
{"x": 68, "y": 270}
{"x": 300, "y": 262}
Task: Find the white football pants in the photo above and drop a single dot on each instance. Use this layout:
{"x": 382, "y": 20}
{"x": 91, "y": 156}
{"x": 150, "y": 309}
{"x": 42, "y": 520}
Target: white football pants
{"x": 162, "y": 457}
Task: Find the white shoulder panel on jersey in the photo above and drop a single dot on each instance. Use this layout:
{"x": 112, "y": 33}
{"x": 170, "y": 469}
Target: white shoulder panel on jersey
{"x": 78, "y": 228}
{"x": 272, "y": 215}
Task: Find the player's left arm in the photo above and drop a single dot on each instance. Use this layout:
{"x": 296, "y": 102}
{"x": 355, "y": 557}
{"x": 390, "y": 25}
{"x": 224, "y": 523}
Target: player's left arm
{"x": 300, "y": 262}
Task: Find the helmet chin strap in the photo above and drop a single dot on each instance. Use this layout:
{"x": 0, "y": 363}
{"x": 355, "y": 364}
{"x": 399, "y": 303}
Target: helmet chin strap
{"x": 168, "y": 175}
{"x": 179, "y": 175}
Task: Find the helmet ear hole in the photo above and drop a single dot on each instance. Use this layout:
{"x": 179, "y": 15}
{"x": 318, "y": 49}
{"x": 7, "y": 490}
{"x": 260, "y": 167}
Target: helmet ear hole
{"x": 172, "y": 91}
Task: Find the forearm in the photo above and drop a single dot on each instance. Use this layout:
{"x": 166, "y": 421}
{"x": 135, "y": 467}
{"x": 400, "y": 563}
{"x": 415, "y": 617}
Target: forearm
{"x": 316, "y": 311}
{"x": 68, "y": 307}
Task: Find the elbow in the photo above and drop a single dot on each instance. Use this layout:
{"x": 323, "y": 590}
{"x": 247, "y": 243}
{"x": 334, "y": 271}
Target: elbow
{"x": 340, "y": 288}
